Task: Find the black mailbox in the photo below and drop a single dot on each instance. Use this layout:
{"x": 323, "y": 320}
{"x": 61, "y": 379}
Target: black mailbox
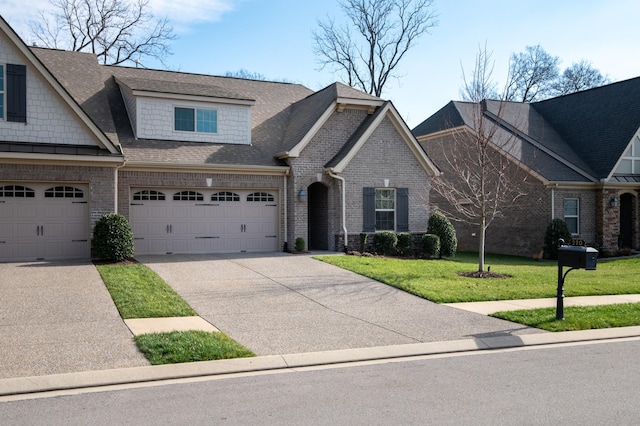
{"x": 578, "y": 257}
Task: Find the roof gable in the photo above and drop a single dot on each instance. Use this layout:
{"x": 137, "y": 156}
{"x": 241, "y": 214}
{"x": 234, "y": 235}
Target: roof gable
{"x": 597, "y": 123}
{"x": 35, "y": 65}
{"x": 357, "y": 140}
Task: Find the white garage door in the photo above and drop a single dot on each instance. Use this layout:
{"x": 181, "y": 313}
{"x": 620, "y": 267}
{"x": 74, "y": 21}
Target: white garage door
{"x": 203, "y": 221}
{"x": 43, "y": 222}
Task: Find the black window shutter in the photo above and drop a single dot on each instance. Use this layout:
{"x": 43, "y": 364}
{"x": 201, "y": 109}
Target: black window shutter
{"x": 369, "y": 210}
{"x": 17, "y": 93}
{"x": 402, "y": 210}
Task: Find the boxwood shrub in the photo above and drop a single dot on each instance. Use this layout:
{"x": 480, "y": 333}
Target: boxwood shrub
{"x": 404, "y": 245}
{"x": 384, "y": 242}
{"x": 112, "y": 238}
{"x": 430, "y": 245}
{"x": 442, "y": 227}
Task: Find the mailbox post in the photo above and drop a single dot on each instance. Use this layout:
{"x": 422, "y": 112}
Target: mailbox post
{"x": 575, "y": 257}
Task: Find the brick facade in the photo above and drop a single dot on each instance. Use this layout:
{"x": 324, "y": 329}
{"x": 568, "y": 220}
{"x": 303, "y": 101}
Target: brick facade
{"x": 384, "y": 156}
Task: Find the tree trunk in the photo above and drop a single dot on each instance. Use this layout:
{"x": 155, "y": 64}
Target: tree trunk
{"x": 481, "y": 245}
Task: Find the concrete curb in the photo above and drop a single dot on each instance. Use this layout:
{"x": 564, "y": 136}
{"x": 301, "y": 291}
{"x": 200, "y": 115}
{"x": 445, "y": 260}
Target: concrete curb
{"x": 100, "y": 378}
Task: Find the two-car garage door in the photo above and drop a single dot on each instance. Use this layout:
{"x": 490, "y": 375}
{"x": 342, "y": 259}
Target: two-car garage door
{"x": 203, "y": 221}
{"x": 43, "y": 221}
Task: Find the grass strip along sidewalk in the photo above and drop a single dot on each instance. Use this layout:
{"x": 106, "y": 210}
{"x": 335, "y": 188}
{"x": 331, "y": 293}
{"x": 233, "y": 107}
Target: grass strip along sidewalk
{"x": 138, "y": 292}
{"x": 440, "y": 282}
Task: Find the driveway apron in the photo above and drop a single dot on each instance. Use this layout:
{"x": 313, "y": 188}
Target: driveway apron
{"x": 279, "y": 303}
{"x": 58, "y": 317}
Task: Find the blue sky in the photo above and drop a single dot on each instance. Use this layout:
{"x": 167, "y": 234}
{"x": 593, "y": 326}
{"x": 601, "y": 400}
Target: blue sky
{"x": 273, "y": 38}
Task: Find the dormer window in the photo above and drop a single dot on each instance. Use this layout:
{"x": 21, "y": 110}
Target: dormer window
{"x": 195, "y": 120}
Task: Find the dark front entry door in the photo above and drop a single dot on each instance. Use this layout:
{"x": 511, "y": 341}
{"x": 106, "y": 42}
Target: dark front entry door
{"x": 318, "y": 217}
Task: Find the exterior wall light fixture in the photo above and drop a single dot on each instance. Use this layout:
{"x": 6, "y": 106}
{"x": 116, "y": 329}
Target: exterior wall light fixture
{"x": 614, "y": 201}
{"x": 302, "y": 194}
{"x": 209, "y": 181}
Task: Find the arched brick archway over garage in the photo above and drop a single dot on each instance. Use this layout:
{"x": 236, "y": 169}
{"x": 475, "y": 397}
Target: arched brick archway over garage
{"x": 318, "y": 214}
{"x": 628, "y": 220}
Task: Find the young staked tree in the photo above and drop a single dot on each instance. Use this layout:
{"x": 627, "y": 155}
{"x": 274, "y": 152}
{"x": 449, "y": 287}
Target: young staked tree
{"x": 367, "y": 52}
{"x": 116, "y": 31}
{"x": 479, "y": 181}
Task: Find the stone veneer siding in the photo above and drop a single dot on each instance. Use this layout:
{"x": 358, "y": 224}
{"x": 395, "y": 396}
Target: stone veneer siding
{"x": 101, "y": 182}
{"x": 384, "y": 156}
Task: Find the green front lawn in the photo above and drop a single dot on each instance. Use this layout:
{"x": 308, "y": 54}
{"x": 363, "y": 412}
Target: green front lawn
{"x": 437, "y": 280}
{"x": 138, "y": 292}
{"x": 577, "y": 317}
{"x": 189, "y": 346}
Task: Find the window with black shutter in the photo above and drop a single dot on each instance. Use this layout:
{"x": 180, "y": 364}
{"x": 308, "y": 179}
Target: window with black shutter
{"x": 16, "y": 93}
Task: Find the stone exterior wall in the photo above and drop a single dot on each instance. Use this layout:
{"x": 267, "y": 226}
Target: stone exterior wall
{"x": 101, "y": 182}
{"x": 384, "y": 156}
{"x": 155, "y": 120}
{"x": 49, "y": 119}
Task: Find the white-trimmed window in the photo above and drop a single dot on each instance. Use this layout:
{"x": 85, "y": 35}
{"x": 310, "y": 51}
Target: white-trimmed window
{"x": 572, "y": 214}
{"x": 385, "y": 209}
{"x": 630, "y": 162}
{"x": 195, "y": 120}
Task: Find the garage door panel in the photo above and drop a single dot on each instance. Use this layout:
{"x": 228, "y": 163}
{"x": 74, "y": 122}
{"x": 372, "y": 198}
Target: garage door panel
{"x": 45, "y": 223}
{"x": 206, "y": 221}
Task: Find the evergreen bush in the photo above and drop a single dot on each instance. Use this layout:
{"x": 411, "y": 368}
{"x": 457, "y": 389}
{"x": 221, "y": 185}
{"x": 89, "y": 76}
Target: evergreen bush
{"x": 363, "y": 242}
{"x": 299, "y": 245}
{"x": 112, "y": 238}
{"x": 442, "y": 227}
{"x": 557, "y": 229}
{"x": 430, "y": 245}
{"x": 384, "y": 242}
{"x": 405, "y": 244}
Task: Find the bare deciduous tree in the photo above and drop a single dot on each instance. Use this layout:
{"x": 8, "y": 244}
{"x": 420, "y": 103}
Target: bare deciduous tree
{"x": 384, "y": 31}
{"x": 579, "y": 76}
{"x": 479, "y": 179}
{"x": 117, "y": 31}
{"x": 531, "y": 75}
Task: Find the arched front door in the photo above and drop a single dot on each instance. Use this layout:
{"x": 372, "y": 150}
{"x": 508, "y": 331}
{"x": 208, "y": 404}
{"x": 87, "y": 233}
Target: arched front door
{"x": 627, "y": 214}
{"x": 318, "y": 215}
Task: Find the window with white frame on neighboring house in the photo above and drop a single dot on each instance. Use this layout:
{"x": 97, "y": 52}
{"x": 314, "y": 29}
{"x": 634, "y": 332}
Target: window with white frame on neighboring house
{"x": 13, "y": 93}
{"x": 386, "y": 209}
{"x": 195, "y": 120}
{"x": 630, "y": 161}
{"x": 572, "y": 214}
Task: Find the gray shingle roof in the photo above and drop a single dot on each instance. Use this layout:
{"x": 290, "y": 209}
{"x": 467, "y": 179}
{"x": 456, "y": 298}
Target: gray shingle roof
{"x": 597, "y": 123}
{"x": 180, "y": 88}
{"x": 95, "y": 89}
{"x": 579, "y": 137}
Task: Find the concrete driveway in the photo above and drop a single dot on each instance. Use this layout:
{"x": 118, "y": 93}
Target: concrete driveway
{"x": 57, "y": 317}
{"x": 279, "y": 303}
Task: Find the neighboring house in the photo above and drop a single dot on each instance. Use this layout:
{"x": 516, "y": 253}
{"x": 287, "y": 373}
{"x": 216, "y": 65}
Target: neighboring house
{"x": 197, "y": 163}
{"x": 582, "y": 154}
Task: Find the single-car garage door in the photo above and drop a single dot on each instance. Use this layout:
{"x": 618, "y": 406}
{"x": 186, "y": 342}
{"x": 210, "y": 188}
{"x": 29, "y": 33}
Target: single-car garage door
{"x": 43, "y": 221}
{"x": 203, "y": 221}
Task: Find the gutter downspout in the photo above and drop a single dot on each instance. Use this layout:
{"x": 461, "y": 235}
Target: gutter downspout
{"x": 344, "y": 207}
{"x": 285, "y": 244}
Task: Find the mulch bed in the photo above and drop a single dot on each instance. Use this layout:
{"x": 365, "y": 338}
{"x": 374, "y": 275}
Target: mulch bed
{"x": 129, "y": 261}
{"x": 483, "y": 274}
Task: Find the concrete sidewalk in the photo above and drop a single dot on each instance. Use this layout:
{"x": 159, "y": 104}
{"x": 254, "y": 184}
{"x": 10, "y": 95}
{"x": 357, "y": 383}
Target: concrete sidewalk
{"x": 487, "y": 308}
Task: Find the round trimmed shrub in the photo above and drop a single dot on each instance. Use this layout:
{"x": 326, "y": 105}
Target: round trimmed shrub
{"x": 430, "y": 245}
{"x": 405, "y": 244}
{"x": 300, "y": 246}
{"x": 557, "y": 229}
{"x": 442, "y": 227}
{"x": 384, "y": 242}
{"x": 112, "y": 238}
